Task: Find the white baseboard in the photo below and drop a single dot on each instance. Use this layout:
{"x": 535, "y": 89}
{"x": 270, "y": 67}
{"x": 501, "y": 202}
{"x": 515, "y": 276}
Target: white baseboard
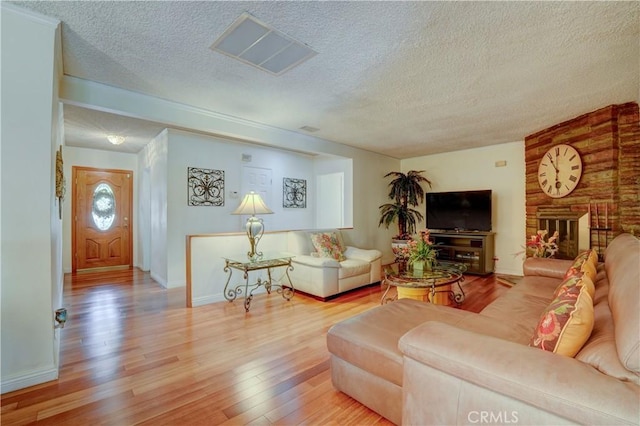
{"x": 31, "y": 379}
{"x": 158, "y": 279}
{"x": 176, "y": 284}
{"x": 167, "y": 284}
{"x": 205, "y": 300}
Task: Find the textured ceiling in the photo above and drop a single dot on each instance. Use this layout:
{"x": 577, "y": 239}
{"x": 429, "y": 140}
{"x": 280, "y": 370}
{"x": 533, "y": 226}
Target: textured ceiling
{"x": 399, "y": 78}
{"x": 87, "y": 128}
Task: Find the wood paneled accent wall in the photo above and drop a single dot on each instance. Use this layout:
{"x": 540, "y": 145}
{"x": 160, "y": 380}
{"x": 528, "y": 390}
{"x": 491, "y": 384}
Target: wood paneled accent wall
{"x": 609, "y": 142}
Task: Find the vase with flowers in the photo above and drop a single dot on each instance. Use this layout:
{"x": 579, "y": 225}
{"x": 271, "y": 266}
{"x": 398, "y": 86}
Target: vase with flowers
{"x": 421, "y": 252}
{"x": 542, "y": 245}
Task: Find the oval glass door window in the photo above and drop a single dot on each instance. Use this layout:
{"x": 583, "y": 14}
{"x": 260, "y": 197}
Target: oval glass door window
{"x": 103, "y": 210}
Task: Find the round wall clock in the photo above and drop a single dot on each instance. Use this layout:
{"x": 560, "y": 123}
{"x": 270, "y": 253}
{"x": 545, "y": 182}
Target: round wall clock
{"x": 559, "y": 171}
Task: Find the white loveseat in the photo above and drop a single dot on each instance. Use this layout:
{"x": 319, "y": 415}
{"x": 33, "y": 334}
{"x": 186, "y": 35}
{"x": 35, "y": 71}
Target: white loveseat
{"x": 325, "y": 277}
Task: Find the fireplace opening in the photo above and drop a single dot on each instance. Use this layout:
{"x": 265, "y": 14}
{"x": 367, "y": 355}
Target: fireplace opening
{"x": 572, "y": 227}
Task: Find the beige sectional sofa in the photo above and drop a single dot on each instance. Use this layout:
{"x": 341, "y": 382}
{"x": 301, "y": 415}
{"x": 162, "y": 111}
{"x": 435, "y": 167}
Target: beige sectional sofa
{"x": 419, "y": 364}
{"x": 325, "y": 277}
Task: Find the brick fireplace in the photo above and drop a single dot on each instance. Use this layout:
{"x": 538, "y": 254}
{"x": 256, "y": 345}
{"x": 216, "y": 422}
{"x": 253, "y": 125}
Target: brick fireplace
{"x": 608, "y": 141}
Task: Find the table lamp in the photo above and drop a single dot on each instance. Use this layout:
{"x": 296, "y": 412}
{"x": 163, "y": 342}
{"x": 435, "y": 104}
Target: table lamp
{"x": 252, "y": 204}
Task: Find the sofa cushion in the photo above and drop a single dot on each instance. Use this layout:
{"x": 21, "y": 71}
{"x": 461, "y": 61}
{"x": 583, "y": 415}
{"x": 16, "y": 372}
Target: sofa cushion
{"x": 370, "y": 340}
{"x": 622, "y": 263}
{"x": 546, "y": 267}
{"x": 567, "y": 322}
{"x": 457, "y": 371}
{"x": 600, "y": 350}
{"x": 327, "y": 244}
{"x": 353, "y": 267}
{"x": 368, "y": 255}
{"x": 521, "y": 305}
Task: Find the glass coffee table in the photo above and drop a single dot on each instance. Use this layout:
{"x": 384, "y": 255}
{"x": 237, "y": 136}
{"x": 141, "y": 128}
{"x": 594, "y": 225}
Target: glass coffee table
{"x": 436, "y": 285}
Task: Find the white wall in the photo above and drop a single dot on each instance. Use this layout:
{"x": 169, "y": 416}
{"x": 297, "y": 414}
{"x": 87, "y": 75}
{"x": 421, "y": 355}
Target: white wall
{"x": 208, "y": 277}
{"x": 153, "y": 160}
{"x": 369, "y": 192}
{"x": 83, "y": 157}
{"x": 330, "y": 201}
{"x": 344, "y": 166}
{"x": 172, "y": 219}
{"x": 474, "y": 169}
{"x": 194, "y": 150}
{"x": 143, "y": 243}
{"x": 31, "y": 276}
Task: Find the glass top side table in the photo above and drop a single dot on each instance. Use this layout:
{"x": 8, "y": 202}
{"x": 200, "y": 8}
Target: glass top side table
{"x": 267, "y": 261}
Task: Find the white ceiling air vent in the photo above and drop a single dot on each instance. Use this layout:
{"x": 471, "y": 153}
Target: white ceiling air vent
{"x": 252, "y": 42}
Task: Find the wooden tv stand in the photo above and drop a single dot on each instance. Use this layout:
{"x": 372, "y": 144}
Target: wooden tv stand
{"x": 473, "y": 248}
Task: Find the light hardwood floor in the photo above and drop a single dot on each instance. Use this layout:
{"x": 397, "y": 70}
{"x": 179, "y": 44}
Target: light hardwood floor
{"x": 131, "y": 353}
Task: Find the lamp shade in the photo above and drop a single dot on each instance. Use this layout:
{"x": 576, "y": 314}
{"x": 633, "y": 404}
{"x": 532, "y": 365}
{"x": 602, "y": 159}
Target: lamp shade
{"x": 252, "y": 204}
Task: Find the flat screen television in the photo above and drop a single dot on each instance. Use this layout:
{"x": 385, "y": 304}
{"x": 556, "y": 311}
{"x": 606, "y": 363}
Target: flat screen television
{"x": 459, "y": 210}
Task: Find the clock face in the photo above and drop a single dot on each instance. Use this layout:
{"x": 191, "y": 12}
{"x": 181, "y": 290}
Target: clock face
{"x": 559, "y": 171}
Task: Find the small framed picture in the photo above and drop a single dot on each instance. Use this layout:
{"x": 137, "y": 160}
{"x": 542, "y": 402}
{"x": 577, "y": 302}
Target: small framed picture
{"x": 294, "y": 193}
{"x": 205, "y": 187}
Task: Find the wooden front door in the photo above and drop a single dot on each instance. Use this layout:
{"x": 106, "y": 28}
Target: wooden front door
{"x": 101, "y": 214}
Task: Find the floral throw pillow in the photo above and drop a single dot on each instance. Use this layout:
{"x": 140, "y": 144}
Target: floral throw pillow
{"x": 573, "y": 280}
{"x": 584, "y": 257}
{"x": 584, "y": 264}
{"x": 327, "y": 244}
{"x": 566, "y": 323}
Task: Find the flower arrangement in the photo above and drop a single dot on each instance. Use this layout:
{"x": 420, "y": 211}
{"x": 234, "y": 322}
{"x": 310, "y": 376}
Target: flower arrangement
{"x": 539, "y": 245}
{"x": 420, "y": 249}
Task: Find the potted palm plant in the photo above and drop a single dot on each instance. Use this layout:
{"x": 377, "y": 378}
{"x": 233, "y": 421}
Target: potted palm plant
{"x": 405, "y": 190}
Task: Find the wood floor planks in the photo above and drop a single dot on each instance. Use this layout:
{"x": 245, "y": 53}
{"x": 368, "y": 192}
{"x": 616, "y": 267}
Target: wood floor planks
{"x": 131, "y": 353}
